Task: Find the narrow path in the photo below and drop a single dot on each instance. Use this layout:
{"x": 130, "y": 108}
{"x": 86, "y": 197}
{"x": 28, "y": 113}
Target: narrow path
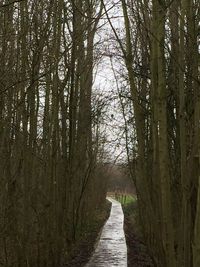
{"x": 111, "y": 250}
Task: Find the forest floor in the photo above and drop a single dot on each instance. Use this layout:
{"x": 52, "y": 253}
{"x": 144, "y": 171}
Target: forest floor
{"x": 137, "y": 252}
{"x": 83, "y": 249}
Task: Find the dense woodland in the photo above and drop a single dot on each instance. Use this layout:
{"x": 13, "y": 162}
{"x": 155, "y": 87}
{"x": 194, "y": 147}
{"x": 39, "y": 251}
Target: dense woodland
{"x": 49, "y": 132}
{"x": 52, "y": 150}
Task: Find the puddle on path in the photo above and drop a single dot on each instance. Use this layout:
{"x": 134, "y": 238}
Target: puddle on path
{"x": 111, "y": 250}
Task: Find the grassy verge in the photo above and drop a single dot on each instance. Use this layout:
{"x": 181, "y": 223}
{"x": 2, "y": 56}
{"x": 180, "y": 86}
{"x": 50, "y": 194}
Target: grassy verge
{"x": 126, "y": 199}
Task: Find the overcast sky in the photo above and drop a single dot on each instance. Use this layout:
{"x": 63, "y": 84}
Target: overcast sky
{"x": 106, "y": 84}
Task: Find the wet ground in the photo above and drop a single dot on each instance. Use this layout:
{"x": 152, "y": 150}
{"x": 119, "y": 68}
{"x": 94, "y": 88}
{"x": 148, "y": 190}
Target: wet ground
{"x": 82, "y": 250}
{"x": 111, "y": 250}
{"x": 137, "y": 252}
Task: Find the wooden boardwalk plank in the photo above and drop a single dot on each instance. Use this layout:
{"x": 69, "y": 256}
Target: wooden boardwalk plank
{"x": 111, "y": 250}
